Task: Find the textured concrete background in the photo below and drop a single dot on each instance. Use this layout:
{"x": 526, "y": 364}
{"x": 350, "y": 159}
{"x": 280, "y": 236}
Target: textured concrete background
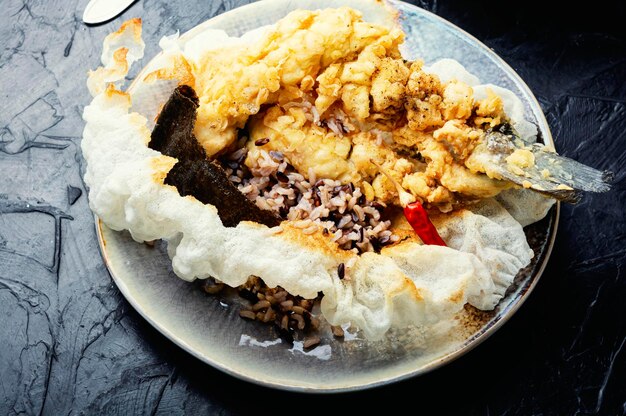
{"x": 71, "y": 344}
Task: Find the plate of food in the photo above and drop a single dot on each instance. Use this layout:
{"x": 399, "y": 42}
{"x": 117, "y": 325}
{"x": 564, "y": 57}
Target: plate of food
{"x": 322, "y": 196}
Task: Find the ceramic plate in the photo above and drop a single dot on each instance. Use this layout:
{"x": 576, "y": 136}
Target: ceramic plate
{"x": 210, "y": 328}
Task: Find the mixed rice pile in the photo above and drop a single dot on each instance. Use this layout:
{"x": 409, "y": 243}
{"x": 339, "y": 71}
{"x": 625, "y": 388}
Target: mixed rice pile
{"x": 340, "y": 211}
{"x": 292, "y": 315}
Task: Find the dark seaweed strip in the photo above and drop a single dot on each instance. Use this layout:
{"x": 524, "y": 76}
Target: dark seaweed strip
{"x": 207, "y": 181}
{"x": 194, "y": 174}
{"x": 173, "y": 132}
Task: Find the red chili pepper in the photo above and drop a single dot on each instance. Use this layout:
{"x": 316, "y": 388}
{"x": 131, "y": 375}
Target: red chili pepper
{"x": 417, "y": 216}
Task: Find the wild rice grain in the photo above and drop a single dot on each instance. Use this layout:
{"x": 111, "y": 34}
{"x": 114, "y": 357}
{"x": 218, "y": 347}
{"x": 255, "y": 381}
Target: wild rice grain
{"x": 300, "y": 321}
{"x": 244, "y": 313}
{"x": 282, "y": 177}
{"x": 262, "y": 142}
{"x": 260, "y": 305}
{"x": 341, "y": 270}
{"x": 311, "y": 342}
{"x": 269, "y": 315}
{"x": 280, "y": 296}
{"x": 298, "y": 309}
{"x": 337, "y": 331}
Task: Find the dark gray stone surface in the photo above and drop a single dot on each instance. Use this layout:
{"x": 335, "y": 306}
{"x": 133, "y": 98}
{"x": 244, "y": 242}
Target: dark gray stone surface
{"x": 71, "y": 344}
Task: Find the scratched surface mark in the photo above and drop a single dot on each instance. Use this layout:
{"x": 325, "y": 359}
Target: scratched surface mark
{"x": 70, "y": 344}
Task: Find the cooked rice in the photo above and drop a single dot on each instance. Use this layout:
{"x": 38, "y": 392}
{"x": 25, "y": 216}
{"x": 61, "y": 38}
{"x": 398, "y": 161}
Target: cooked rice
{"x": 340, "y": 211}
{"x": 290, "y": 314}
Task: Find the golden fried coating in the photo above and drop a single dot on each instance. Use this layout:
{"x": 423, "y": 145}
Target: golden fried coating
{"x": 333, "y": 94}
